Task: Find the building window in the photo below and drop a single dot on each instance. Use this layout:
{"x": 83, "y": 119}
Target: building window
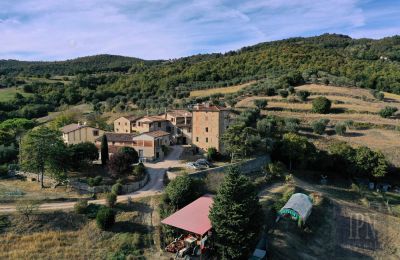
{"x": 113, "y": 143}
{"x": 95, "y": 132}
{"x": 189, "y": 130}
{"x": 206, "y": 139}
{"x": 126, "y": 123}
{"x": 206, "y": 129}
{"x": 126, "y": 131}
{"x": 197, "y": 139}
{"x": 159, "y": 124}
{"x": 119, "y": 123}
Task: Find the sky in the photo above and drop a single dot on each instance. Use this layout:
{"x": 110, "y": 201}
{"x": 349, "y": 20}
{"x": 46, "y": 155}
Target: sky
{"x": 165, "y": 29}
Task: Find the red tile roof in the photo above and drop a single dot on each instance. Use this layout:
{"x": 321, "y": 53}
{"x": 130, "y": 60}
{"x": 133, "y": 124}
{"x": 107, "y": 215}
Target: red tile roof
{"x": 204, "y": 107}
{"x": 119, "y": 137}
{"x": 156, "y": 134}
{"x": 193, "y": 217}
{"x": 70, "y": 128}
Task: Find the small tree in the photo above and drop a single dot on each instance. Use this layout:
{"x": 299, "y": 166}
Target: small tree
{"x": 139, "y": 171}
{"x": 235, "y": 216}
{"x": 81, "y": 206}
{"x": 27, "y": 207}
{"x": 292, "y": 125}
{"x": 321, "y": 105}
{"x": 105, "y": 218}
{"x": 111, "y": 199}
{"x": 182, "y": 190}
{"x": 133, "y": 155}
{"x": 388, "y": 111}
{"x": 260, "y": 103}
{"x": 291, "y": 90}
{"x": 104, "y": 150}
{"x": 117, "y": 189}
{"x": 340, "y": 128}
{"x": 283, "y": 93}
{"x": 212, "y": 154}
{"x": 303, "y": 95}
{"x": 319, "y": 126}
{"x": 120, "y": 163}
{"x": 83, "y": 154}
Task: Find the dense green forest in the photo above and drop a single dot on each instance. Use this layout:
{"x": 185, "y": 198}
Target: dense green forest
{"x": 111, "y": 82}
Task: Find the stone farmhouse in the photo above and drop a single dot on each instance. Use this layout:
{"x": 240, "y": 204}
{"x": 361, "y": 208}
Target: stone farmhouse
{"x": 79, "y": 133}
{"x": 150, "y": 146}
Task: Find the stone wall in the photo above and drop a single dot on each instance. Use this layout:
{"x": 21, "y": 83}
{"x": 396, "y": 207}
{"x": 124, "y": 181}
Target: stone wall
{"x": 126, "y": 188}
{"x": 246, "y": 167}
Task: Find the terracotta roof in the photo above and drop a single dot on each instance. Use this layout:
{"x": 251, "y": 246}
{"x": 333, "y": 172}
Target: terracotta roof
{"x": 70, "y": 128}
{"x": 119, "y": 137}
{"x": 203, "y": 107}
{"x": 179, "y": 113}
{"x": 156, "y": 134}
{"x": 154, "y": 118}
{"x": 131, "y": 118}
{"x": 193, "y": 217}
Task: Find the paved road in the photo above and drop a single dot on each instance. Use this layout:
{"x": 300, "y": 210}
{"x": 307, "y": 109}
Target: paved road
{"x": 153, "y": 187}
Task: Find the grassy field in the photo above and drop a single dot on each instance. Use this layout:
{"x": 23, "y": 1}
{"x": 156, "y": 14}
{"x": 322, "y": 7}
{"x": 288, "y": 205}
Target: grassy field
{"x": 7, "y": 94}
{"x": 66, "y": 235}
{"x": 224, "y": 90}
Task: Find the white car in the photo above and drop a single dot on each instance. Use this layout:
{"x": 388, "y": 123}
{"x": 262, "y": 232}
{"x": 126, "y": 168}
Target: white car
{"x": 203, "y": 163}
{"x": 192, "y": 165}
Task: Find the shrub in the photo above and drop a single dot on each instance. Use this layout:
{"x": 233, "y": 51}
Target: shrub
{"x": 283, "y": 93}
{"x": 270, "y": 91}
{"x": 260, "y": 103}
{"x": 131, "y": 153}
{"x": 321, "y": 105}
{"x": 340, "y": 128}
{"x": 139, "y": 171}
{"x": 105, "y": 218}
{"x": 387, "y": 111}
{"x": 319, "y": 126}
{"x": 3, "y": 170}
{"x": 111, "y": 198}
{"x": 291, "y": 90}
{"x": 303, "y": 95}
{"x": 292, "y": 124}
{"x": 117, "y": 189}
{"x": 81, "y": 206}
{"x": 275, "y": 170}
{"x": 96, "y": 181}
{"x": 212, "y": 153}
{"x": 120, "y": 163}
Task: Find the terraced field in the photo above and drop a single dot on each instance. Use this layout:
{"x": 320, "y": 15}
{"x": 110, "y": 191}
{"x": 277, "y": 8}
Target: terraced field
{"x": 355, "y": 104}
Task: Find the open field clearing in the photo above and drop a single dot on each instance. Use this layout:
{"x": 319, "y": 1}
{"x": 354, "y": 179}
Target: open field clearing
{"x": 7, "y": 94}
{"x": 61, "y": 235}
{"x": 224, "y": 90}
{"x": 339, "y": 227}
{"x": 323, "y": 89}
{"x": 12, "y": 190}
{"x": 364, "y": 118}
{"x": 79, "y": 109}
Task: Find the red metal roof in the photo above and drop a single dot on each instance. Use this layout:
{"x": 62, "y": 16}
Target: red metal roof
{"x": 193, "y": 217}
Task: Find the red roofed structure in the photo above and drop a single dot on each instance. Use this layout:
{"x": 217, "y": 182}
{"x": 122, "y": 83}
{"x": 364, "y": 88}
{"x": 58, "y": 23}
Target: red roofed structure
{"x": 193, "y": 217}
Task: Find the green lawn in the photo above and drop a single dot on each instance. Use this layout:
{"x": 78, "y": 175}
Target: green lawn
{"x": 7, "y": 94}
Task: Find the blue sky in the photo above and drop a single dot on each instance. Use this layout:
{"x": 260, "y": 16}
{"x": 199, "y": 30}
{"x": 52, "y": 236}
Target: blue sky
{"x": 163, "y": 29}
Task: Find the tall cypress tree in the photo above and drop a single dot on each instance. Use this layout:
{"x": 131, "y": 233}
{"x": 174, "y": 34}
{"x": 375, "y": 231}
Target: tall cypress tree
{"x": 236, "y": 216}
{"x": 104, "y": 150}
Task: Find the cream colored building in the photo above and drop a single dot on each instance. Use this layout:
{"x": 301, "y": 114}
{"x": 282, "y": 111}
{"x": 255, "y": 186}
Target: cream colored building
{"x": 208, "y": 126}
{"x": 180, "y": 126}
{"x": 148, "y": 145}
{"x": 125, "y": 124}
{"x": 79, "y": 133}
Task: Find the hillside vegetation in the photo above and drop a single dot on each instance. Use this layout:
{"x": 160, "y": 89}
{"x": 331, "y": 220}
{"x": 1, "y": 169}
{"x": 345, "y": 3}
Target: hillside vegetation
{"x": 329, "y": 59}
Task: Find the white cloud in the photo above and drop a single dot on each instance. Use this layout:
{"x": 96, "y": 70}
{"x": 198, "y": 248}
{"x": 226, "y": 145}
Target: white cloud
{"x": 153, "y": 29}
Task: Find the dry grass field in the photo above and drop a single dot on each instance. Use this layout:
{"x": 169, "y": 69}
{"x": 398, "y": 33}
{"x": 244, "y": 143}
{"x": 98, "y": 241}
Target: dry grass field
{"x": 62, "y": 235}
{"x": 224, "y": 90}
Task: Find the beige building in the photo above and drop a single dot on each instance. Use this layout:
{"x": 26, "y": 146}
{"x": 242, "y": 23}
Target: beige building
{"x": 208, "y": 126}
{"x": 180, "y": 126}
{"x": 79, "y": 133}
{"x": 148, "y": 145}
{"x": 125, "y": 124}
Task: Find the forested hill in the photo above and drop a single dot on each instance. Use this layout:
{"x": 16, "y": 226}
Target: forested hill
{"x": 330, "y": 59}
{"x": 89, "y": 64}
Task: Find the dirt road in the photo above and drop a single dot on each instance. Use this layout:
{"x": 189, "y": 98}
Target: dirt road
{"x": 153, "y": 187}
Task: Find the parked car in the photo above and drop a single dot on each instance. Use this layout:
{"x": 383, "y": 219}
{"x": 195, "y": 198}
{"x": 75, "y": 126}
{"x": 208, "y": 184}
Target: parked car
{"x": 192, "y": 165}
{"x": 203, "y": 162}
